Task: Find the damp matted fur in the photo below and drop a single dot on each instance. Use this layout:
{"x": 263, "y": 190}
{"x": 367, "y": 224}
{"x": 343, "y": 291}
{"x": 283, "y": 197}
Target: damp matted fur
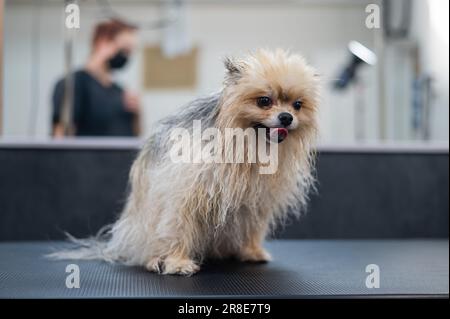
{"x": 179, "y": 213}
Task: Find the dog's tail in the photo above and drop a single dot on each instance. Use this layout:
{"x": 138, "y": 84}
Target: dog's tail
{"x": 86, "y": 249}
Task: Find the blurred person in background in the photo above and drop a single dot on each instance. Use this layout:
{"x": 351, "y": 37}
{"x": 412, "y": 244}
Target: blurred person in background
{"x": 101, "y": 107}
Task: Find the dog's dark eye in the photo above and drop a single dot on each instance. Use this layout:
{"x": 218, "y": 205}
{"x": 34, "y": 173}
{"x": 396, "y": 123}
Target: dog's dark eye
{"x": 264, "y": 101}
{"x": 297, "y": 105}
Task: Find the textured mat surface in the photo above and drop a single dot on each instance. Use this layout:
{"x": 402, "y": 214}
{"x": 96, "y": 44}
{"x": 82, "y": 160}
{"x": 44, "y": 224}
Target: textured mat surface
{"x": 300, "y": 268}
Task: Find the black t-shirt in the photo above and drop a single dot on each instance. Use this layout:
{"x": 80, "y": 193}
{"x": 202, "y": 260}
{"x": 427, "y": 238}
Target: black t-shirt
{"x": 97, "y": 110}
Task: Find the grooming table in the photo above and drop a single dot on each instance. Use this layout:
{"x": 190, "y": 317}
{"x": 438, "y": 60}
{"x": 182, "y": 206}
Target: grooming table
{"x": 301, "y": 268}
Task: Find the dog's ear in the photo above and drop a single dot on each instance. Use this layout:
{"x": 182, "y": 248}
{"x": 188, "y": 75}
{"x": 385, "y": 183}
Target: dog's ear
{"x": 234, "y": 70}
{"x": 231, "y": 65}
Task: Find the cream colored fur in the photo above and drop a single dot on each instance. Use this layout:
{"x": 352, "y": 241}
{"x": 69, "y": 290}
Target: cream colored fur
{"x": 177, "y": 213}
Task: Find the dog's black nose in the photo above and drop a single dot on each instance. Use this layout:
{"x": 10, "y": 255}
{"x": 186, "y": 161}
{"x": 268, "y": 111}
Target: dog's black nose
{"x": 285, "y": 118}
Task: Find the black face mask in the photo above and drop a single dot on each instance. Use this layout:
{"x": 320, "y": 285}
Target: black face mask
{"x": 119, "y": 60}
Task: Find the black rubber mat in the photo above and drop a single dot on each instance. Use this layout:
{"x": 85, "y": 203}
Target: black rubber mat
{"x": 300, "y": 269}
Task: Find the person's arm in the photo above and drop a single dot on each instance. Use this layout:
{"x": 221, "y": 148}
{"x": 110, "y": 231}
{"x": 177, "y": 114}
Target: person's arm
{"x": 132, "y": 105}
{"x": 58, "y": 101}
{"x": 137, "y": 128}
{"x": 58, "y": 130}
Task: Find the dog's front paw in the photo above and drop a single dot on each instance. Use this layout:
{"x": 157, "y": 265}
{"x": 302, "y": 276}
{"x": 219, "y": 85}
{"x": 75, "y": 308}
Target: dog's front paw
{"x": 180, "y": 266}
{"x": 154, "y": 265}
{"x": 256, "y": 255}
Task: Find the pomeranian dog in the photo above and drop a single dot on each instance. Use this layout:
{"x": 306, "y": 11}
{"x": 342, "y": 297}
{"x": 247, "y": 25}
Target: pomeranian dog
{"x": 178, "y": 214}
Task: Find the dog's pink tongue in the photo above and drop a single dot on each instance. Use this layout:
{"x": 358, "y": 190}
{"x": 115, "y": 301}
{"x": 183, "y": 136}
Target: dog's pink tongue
{"x": 278, "y": 134}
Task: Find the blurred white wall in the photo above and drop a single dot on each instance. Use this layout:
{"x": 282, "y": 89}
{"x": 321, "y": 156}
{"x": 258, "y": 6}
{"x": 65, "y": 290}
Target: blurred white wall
{"x": 34, "y": 56}
{"x": 430, "y": 29}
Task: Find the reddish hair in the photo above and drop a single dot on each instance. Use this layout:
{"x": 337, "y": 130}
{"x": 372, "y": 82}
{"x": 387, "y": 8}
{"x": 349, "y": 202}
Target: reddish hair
{"x": 110, "y": 29}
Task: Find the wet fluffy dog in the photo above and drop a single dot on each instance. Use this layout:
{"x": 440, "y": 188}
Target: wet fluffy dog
{"x": 177, "y": 214}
